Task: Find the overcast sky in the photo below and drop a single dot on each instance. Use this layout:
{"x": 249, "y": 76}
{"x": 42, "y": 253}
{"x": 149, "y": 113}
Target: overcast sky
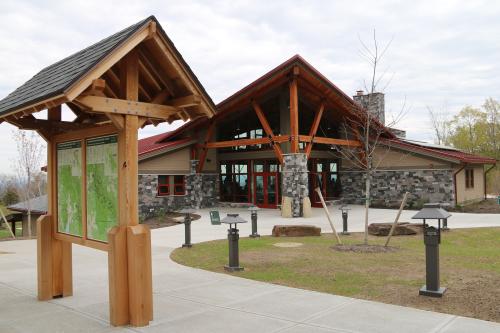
{"x": 443, "y": 53}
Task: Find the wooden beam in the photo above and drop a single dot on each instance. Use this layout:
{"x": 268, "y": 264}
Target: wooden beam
{"x": 182, "y": 102}
{"x": 208, "y": 137}
{"x": 117, "y": 120}
{"x": 78, "y": 87}
{"x": 267, "y": 128}
{"x": 127, "y": 107}
{"x": 54, "y": 114}
{"x": 239, "y": 142}
{"x": 146, "y": 58}
{"x": 49, "y": 126}
{"x": 294, "y": 116}
{"x": 129, "y": 76}
{"x": 329, "y": 141}
{"x": 314, "y": 128}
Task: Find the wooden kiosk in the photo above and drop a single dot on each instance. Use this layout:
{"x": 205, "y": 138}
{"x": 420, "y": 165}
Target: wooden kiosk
{"x": 131, "y": 79}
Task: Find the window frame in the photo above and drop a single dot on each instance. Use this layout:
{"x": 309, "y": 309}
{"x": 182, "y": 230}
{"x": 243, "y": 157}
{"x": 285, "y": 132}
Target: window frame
{"x": 166, "y": 185}
{"x": 469, "y": 178}
{"x": 182, "y": 184}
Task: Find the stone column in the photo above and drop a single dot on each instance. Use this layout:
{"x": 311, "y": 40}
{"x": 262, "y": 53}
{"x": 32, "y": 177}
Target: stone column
{"x": 194, "y": 182}
{"x": 295, "y": 184}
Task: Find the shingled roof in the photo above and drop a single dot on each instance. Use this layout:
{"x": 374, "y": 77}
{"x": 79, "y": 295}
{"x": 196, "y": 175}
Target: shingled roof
{"x": 56, "y": 79}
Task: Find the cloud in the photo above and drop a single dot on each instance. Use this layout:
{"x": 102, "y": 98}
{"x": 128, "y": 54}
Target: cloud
{"x": 442, "y": 51}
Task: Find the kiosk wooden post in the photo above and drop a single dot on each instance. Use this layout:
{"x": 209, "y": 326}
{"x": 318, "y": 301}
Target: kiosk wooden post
{"x": 114, "y": 90}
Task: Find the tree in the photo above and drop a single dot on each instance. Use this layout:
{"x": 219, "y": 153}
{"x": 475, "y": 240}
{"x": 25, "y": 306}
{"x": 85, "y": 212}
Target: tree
{"x": 477, "y": 131}
{"x": 30, "y": 151}
{"x": 10, "y": 196}
{"x": 440, "y": 125}
{"x": 364, "y": 127}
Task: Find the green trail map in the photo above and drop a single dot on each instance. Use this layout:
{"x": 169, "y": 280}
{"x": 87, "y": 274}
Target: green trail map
{"x": 102, "y": 186}
{"x": 69, "y": 188}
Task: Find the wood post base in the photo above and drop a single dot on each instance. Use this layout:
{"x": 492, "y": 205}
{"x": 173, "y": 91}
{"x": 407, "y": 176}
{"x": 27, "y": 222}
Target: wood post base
{"x": 54, "y": 262}
{"x": 130, "y": 276}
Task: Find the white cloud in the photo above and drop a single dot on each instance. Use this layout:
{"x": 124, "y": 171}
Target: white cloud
{"x": 443, "y": 51}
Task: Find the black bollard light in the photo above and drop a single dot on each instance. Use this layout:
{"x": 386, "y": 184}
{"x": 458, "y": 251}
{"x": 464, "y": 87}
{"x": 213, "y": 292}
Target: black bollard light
{"x": 253, "y": 210}
{"x": 187, "y": 226}
{"x": 232, "y": 238}
{"x": 432, "y": 239}
{"x": 345, "y": 215}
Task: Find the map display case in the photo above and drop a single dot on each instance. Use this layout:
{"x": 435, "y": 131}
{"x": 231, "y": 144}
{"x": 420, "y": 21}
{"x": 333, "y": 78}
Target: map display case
{"x": 102, "y": 186}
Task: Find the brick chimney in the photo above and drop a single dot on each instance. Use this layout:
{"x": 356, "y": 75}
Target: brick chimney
{"x": 377, "y": 104}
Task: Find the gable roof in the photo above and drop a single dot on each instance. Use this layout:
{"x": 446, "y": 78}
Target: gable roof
{"x": 38, "y": 205}
{"x": 57, "y": 78}
{"x": 154, "y": 145}
{"x": 328, "y": 89}
{"x": 445, "y": 153}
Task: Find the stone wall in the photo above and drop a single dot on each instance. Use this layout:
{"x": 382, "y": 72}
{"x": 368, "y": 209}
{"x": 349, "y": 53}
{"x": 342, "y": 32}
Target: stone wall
{"x": 202, "y": 190}
{"x": 295, "y": 183}
{"x": 388, "y": 187}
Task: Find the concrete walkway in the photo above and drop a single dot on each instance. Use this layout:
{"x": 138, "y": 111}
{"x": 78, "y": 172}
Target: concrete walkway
{"x": 191, "y": 300}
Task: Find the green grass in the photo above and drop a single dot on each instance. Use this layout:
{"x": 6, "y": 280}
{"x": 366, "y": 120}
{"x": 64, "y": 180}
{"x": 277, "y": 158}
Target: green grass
{"x": 469, "y": 262}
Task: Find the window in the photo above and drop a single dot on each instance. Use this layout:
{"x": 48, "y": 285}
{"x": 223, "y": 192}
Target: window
{"x": 166, "y": 183}
{"x": 179, "y": 185}
{"x": 163, "y": 185}
{"x": 234, "y": 181}
{"x": 469, "y": 178}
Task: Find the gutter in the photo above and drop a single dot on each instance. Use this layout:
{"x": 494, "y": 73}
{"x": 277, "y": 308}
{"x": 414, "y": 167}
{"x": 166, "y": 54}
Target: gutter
{"x": 455, "y": 182}
{"x": 485, "y": 173}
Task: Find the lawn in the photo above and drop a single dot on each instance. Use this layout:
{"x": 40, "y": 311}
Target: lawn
{"x": 470, "y": 268}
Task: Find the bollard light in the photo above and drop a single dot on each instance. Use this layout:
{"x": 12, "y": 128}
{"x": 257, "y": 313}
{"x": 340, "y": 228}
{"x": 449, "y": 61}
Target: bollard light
{"x": 187, "y": 226}
{"x": 432, "y": 239}
{"x": 253, "y": 210}
{"x": 233, "y": 237}
{"x": 345, "y": 214}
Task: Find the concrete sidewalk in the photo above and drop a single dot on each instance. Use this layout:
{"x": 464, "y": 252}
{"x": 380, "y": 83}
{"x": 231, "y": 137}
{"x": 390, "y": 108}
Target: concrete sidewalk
{"x": 192, "y": 300}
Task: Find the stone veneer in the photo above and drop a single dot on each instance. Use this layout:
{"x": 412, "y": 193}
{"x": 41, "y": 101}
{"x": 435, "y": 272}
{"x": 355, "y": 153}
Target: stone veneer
{"x": 389, "y": 186}
{"x": 295, "y": 181}
{"x": 202, "y": 190}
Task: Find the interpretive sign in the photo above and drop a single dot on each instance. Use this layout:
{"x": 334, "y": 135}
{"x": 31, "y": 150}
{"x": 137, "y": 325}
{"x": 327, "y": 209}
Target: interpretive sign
{"x": 102, "y": 186}
{"x": 69, "y": 188}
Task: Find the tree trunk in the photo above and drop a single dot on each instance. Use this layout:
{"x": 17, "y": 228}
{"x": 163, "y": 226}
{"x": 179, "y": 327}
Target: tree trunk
{"x": 367, "y": 204}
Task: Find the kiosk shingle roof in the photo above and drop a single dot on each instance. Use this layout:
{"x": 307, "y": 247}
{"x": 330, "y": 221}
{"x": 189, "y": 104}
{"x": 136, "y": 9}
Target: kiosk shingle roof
{"x": 56, "y": 78}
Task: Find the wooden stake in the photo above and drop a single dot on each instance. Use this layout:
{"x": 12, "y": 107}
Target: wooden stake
{"x": 403, "y": 203}
{"x": 318, "y": 190}
{"x": 7, "y": 223}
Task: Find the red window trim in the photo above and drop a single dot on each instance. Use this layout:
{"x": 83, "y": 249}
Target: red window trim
{"x": 183, "y": 185}
{"x": 163, "y": 188}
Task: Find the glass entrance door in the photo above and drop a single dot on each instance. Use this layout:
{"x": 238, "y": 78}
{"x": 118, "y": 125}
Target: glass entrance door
{"x": 266, "y": 184}
{"x": 323, "y": 174}
{"x": 266, "y": 189}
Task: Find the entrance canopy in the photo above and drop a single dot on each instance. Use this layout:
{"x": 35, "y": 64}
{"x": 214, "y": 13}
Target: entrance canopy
{"x": 91, "y": 83}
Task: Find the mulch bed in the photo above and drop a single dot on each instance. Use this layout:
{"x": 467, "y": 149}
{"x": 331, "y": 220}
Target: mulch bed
{"x": 363, "y": 248}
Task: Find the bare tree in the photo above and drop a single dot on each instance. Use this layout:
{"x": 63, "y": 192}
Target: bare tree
{"x": 441, "y": 125}
{"x": 365, "y": 127}
{"x": 30, "y": 150}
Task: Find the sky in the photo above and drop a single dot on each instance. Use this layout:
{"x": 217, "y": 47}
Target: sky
{"x": 442, "y": 54}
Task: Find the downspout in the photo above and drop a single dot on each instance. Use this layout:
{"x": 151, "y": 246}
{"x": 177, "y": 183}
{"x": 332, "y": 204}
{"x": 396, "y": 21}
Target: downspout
{"x": 455, "y": 182}
{"x": 485, "y": 173}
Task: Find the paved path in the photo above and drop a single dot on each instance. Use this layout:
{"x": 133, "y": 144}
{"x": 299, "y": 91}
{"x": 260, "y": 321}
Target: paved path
{"x": 191, "y": 300}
